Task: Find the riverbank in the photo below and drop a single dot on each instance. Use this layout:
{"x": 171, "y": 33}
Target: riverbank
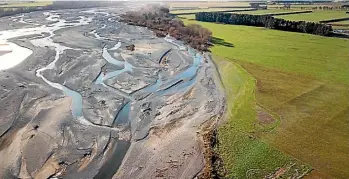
{"x": 92, "y": 101}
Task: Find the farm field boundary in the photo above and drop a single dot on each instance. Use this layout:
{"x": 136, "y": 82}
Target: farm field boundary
{"x": 335, "y": 20}
{"x": 298, "y": 80}
{"x": 288, "y": 13}
{"x": 236, "y": 10}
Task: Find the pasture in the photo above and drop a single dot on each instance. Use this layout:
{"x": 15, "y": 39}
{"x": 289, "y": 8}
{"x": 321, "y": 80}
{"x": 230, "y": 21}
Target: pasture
{"x": 26, "y": 4}
{"x": 339, "y": 25}
{"x": 287, "y": 100}
{"x": 316, "y": 15}
{"x": 267, "y": 11}
{"x": 206, "y": 10}
{"x": 206, "y": 4}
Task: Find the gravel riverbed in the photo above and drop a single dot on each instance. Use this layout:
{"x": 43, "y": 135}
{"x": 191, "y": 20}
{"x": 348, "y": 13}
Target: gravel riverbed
{"x": 82, "y": 105}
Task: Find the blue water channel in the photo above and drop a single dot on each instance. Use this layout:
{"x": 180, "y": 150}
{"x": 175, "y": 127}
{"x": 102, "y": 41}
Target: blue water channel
{"x": 178, "y": 83}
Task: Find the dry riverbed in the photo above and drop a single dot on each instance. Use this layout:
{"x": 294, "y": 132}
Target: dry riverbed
{"x": 82, "y": 105}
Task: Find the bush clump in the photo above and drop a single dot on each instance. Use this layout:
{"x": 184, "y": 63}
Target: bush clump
{"x": 162, "y": 23}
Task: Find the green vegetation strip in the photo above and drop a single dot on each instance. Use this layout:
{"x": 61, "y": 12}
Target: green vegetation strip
{"x": 243, "y": 154}
{"x": 316, "y": 16}
{"x": 335, "y": 20}
{"x": 27, "y": 4}
{"x": 340, "y": 25}
{"x": 286, "y": 13}
{"x": 301, "y": 78}
{"x": 188, "y": 12}
{"x": 274, "y": 12}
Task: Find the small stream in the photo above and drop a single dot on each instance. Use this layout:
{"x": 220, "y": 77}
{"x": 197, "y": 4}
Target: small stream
{"x": 76, "y": 106}
{"x": 180, "y": 82}
{"x": 177, "y": 83}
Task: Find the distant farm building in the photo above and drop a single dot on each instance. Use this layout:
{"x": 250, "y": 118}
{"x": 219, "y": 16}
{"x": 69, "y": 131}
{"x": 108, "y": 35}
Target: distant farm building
{"x": 258, "y": 5}
{"x": 287, "y": 6}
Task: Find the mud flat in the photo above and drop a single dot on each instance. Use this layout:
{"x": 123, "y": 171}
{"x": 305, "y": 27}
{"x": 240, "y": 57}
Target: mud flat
{"x": 82, "y": 105}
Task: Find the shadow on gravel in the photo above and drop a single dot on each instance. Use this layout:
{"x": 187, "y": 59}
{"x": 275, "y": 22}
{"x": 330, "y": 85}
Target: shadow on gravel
{"x": 219, "y": 41}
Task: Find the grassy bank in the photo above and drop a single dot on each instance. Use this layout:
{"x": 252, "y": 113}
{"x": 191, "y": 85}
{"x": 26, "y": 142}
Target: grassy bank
{"x": 244, "y": 155}
{"x": 296, "y": 111}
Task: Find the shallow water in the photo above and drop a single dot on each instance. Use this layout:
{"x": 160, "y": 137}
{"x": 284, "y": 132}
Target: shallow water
{"x": 15, "y": 57}
{"x": 178, "y": 83}
{"x": 114, "y": 162}
{"x": 109, "y": 58}
{"x": 122, "y": 116}
{"x": 116, "y": 46}
{"x": 76, "y": 106}
{"x": 173, "y": 41}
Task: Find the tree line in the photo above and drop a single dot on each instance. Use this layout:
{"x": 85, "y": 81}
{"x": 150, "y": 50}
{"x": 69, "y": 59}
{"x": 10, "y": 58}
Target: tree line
{"x": 289, "y": 6}
{"x": 328, "y": 8}
{"x": 265, "y": 21}
{"x": 163, "y": 23}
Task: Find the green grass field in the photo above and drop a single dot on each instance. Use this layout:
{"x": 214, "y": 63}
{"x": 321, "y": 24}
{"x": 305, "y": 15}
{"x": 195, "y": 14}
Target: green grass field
{"x": 302, "y": 81}
{"x": 27, "y": 4}
{"x": 316, "y": 16}
{"x": 341, "y": 22}
{"x": 187, "y": 17}
{"x": 344, "y": 25}
{"x": 205, "y": 10}
{"x": 205, "y": 4}
{"x": 243, "y": 154}
{"x": 306, "y": 6}
{"x": 267, "y": 11}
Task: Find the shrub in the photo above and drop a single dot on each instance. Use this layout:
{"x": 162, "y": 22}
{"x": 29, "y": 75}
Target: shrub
{"x": 162, "y": 23}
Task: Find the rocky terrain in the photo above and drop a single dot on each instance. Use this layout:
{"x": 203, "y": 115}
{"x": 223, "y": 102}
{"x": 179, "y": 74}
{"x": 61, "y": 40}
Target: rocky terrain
{"x": 85, "y": 104}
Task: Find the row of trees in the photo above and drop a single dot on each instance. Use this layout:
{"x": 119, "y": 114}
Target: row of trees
{"x": 265, "y": 21}
{"x": 162, "y": 23}
{"x": 328, "y": 8}
{"x": 289, "y": 6}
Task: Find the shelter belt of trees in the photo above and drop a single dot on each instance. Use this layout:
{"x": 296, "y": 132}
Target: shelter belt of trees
{"x": 265, "y": 21}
